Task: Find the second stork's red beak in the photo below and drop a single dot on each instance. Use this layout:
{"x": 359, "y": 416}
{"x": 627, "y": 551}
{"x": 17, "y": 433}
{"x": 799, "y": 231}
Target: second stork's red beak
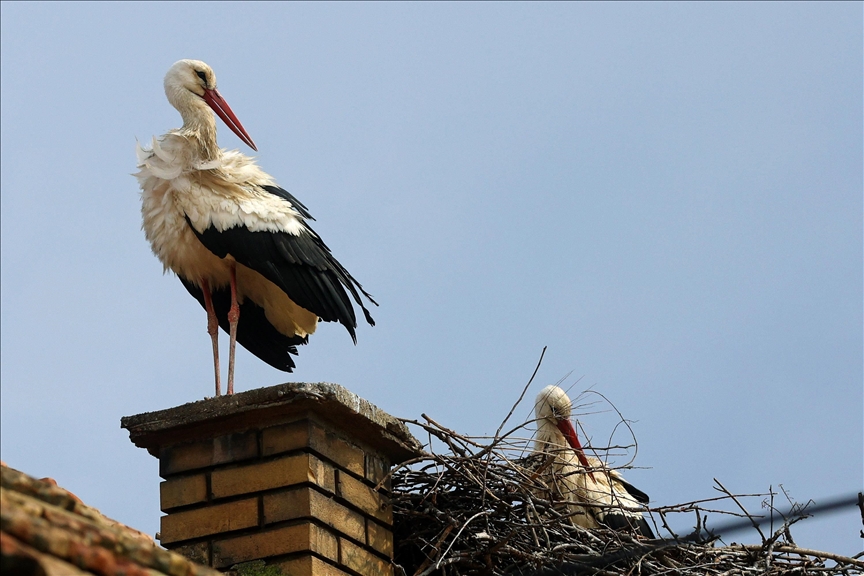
{"x": 221, "y": 108}
{"x": 566, "y": 428}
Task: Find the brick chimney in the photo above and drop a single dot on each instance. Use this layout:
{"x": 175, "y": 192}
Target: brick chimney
{"x": 286, "y": 474}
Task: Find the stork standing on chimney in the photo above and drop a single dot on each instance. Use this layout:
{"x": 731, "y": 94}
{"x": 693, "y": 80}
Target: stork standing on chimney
{"x": 240, "y": 244}
{"x": 579, "y": 479}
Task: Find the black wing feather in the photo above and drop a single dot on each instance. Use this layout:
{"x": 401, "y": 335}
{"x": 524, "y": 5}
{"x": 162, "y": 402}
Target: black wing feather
{"x": 254, "y": 331}
{"x": 626, "y": 522}
{"x": 282, "y": 193}
{"x": 302, "y": 266}
{"x": 640, "y": 496}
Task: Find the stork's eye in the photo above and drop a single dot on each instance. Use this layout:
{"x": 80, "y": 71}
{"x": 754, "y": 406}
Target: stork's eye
{"x": 201, "y": 75}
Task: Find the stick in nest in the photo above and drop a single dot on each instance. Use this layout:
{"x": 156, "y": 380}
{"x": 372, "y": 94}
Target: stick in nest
{"x": 476, "y": 509}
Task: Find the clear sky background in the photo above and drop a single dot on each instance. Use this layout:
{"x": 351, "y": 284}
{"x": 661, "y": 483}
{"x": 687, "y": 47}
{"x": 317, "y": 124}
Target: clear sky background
{"x": 669, "y": 196}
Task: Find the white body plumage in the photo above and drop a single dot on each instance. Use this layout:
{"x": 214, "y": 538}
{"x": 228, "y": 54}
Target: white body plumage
{"x": 223, "y": 193}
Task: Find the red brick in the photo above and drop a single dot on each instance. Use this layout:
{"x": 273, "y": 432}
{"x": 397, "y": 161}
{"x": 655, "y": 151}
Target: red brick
{"x": 209, "y": 452}
{"x": 182, "y": 491}
{"x": 306, "y": 434}
{"x": 364, "y": 497}
{"x": 309, "y": 566}
{"x": 360, "y": 560}
{"x": 286, "y": 540}
{"x": 379, "y": 538}
{"x": 309, "y": 503}
{"x": 280, "y": 473}
{"x": 215, "y": 519}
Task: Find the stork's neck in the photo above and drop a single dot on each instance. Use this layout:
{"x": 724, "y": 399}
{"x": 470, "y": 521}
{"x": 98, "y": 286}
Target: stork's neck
{"x": 199, "y": 122}
{"x": 548, "y": 437}
{"x": 200, "y": 129}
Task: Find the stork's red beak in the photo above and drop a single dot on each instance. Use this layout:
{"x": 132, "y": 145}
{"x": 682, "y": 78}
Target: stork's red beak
{"x": 221, "y": 108}
{"x": 566, "y": 428}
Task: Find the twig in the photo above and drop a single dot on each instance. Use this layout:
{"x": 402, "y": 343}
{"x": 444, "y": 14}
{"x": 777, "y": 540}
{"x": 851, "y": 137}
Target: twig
{"x": 436, "y": 548}
{"x": 459, "y": 533}
{"x": 525, "y": 389}
{"x": 521, "y": 525}
{"x": 787, "y": 549}
{"x": 734, "y": 499}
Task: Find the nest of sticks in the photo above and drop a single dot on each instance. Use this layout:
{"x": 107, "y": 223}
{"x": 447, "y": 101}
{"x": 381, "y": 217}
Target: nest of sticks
{"x": 478, "y": 506}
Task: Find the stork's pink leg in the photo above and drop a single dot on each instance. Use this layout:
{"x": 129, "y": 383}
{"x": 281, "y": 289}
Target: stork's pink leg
{"x": 233, "y": 317}
{"x": 213, "y": 330}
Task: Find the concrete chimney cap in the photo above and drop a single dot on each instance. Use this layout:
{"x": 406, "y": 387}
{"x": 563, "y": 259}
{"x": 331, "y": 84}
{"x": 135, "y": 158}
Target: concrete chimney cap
{"x": 330, "y": 401}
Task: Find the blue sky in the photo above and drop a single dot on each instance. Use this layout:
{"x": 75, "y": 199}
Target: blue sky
{"x": 668, "y": 196}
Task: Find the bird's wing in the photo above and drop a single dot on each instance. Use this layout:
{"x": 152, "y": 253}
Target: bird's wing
{"x": 282, "y": 193}
{"x": 623, "y": 499}
{"x": 637, "y": 494}
{"x": 627, "y": 520}
{"x": 291, "y": 256}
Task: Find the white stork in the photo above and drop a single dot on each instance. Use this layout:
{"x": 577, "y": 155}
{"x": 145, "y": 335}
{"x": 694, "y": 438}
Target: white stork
{"x": 580, "y": 479}
{"x": 240, "y": 244}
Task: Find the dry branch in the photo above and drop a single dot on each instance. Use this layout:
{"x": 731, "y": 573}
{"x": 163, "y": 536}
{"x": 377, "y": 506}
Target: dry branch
{"x": 476, "y": 509}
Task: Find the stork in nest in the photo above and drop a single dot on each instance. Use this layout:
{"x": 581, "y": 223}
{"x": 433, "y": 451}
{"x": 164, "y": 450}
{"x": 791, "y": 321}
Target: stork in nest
{"x": 595, "y": 495}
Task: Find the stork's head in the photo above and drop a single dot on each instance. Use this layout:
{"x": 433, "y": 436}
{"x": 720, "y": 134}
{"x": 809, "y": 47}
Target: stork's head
{"x": 191, "y": 88}
{"x": 553, "y": 409}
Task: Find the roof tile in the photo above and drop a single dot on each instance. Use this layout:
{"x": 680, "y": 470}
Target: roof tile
{"x": 46, "y": 529}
